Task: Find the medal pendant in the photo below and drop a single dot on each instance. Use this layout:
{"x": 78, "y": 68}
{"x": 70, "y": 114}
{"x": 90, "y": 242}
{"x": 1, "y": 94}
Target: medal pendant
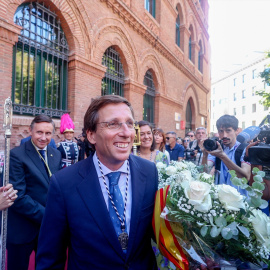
{"x": 123, "y": 240}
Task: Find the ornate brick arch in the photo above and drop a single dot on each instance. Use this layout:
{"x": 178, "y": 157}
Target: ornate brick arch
{"x": 111, "y": 32}
{"x": 191, "y": 23}
{"x": 149, "y": 60}
{"x": 190, "y": 93}
{"x": 204, "y": 48}
{"x": 73, "y": 22}
{"x": 183, "y": 7}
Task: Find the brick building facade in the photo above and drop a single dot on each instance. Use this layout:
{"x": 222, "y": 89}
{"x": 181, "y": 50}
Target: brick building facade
{"x": 168, "y": 38}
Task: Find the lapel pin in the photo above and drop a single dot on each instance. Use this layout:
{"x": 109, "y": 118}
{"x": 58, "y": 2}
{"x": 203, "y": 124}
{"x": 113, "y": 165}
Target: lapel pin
{"x": 51, "y": 155}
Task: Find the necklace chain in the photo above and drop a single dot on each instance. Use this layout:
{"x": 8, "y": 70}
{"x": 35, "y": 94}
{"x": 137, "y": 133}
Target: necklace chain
{"x": 139, "y": 152}
{"x": 110, "y": 196}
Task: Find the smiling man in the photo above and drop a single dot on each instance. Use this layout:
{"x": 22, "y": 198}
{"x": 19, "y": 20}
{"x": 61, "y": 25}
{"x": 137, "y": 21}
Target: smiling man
{"x": 229, "y": 155}
{"x": 102, "y": 207}
{"x": 31, "y": 166}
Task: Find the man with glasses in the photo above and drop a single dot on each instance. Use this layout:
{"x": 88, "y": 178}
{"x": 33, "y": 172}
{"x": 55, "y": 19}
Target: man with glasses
{"x": 102, "y": 207}
{"x": 175, "y": 150}
{"x": 191, "y": 135}
{"x": 201, "y": 135}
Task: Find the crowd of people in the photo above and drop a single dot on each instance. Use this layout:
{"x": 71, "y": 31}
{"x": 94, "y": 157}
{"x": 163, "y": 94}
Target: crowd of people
{"x": 100, "y": 209}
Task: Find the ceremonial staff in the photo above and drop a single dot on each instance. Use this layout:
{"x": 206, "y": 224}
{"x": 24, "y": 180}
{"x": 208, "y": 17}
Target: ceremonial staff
{"x": 137, "y": 138}
{"x": 7, "y": 126}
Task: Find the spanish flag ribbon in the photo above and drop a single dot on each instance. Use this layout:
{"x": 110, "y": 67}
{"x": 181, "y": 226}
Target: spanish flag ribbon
{"x": 165, "y": 238}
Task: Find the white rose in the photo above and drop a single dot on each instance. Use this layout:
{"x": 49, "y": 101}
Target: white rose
{"x": 170, "y": 170}
{"x": 205, "y": 176}
{"x": 186, "y": 175}
{"x": 261, "y": 225}
{"x": 230, "y": 198}
{"x": 198, "y": 194}
{"x": 181, "y": 165}
{"x": 160, "y": 165}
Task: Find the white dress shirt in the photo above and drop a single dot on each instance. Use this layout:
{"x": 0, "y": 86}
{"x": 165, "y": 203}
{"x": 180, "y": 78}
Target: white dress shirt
{"x": 121, "y": 184}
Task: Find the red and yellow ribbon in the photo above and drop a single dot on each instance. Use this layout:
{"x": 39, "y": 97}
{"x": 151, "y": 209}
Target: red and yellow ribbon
{"x": 165, "y": 238}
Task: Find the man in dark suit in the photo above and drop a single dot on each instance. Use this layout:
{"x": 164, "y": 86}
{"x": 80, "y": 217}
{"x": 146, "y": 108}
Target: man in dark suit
{"x": 105, "y": 225}
{"x": 31, "y": 166}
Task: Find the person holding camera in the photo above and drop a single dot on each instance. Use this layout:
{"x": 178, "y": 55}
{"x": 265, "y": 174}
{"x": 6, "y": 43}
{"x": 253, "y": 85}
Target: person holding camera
{"x": 229, "y": 153}
{"x": 194, "y": 150}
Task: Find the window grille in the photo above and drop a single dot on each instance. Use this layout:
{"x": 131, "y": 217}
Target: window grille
{"x": 40, "y": 63}
{"x": 189, "y": 49}
{"x": 149, "y": 98}
{"x": 150, "y": 6}
{"x": 113, "y": 82}
{"x": 177, "y": 30}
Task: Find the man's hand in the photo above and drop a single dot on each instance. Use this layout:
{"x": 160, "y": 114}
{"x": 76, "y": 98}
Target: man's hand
{"x": 7, "y": 196}
{"x": 218, "y": 152}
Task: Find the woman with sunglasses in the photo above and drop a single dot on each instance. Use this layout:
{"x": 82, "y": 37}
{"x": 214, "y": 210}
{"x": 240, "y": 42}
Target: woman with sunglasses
{"x": 147, "y": 149}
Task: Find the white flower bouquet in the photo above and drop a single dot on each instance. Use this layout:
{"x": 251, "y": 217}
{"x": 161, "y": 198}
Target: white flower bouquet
{"x": 214, "y": 225}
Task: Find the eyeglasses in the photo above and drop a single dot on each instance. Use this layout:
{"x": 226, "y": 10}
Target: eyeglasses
{"x": 186, "y": 141}
{"x": 167, "y": 138}
{"x": 117, "y": 125}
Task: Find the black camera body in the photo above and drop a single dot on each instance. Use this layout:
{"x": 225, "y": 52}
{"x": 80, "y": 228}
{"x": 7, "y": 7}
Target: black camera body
{"x": 190, "y": 154}
{"x": 211, "y": 144}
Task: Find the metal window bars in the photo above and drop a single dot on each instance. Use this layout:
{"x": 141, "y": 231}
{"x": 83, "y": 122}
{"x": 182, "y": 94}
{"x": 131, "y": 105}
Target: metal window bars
{"x": 40, "y": 62}
{"x": 113, "y": 81}
{"x": 149, "y": 97}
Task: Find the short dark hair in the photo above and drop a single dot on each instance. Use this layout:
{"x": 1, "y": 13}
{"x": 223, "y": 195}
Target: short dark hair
{"x": 42, "y": 118}
{"x": 191, "y": 131}
{"x": 146, "y": 123}
{"x": 171, "y": 132}
{"x": 91, "y": 115}
{"x": 227, "y": 121}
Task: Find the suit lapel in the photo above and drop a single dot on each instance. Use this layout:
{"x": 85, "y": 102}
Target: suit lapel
{"x": 138, "y": 188}
{"x": 91, "y": 193}
{"x": 34, "y": 156}
{"x": 53, "y": 163}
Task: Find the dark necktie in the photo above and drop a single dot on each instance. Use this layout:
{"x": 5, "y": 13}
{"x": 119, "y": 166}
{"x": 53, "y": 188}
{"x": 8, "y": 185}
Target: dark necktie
{"x": 42, "y": 152}
{"x": 117, "y": 199}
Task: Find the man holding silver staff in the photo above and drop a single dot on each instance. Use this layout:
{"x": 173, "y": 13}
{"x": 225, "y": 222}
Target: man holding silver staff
{"x": 31, "y": 166}
{"x": 102, "y": 207}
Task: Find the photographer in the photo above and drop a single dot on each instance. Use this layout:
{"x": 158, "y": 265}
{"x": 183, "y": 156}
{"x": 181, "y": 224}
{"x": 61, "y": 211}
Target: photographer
{"x": 229, "y": 154}
{"x": 194, "y": 148}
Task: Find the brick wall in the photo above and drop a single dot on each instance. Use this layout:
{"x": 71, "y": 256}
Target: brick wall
{"x": 144, "y": 42}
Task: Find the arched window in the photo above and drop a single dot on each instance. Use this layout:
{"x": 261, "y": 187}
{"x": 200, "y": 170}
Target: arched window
{"x": 177, "y": 29}
{"x": 200, "y": 58}
{"x": 190, "y": 49}
{"x": 149, "y": 98}
{"x": 188, "y": 117}
{"x": 113, "y": 82}
{"x": 40, "y": 63}
{"x": 150, "y": 6}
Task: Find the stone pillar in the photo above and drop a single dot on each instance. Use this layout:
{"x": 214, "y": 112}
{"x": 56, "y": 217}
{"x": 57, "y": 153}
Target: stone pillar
{"x": 134, "y": 93}
{"x": 84, "y": 83}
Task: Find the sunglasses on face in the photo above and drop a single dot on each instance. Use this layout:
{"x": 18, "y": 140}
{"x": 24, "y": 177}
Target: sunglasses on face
{"x": 167, "y": 138}
{"x": 186, "y": 140}
{"x": 190, "y": 135}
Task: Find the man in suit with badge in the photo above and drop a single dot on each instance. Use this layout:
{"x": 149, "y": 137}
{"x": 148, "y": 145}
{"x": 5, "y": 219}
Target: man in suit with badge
{"x": 101, "y": 208}
{"x": 31, "y": 166}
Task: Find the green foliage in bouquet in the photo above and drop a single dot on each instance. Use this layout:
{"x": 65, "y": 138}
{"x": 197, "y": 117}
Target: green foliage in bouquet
{"x": 228, "y": 222}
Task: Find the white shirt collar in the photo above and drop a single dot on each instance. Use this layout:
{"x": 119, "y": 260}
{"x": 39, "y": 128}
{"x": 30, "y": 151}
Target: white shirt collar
{"x": 106, "y": 170}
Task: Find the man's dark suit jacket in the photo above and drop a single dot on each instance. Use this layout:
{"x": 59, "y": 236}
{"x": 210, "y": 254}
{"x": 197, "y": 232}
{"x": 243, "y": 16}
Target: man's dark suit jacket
{"x": 76, "y": 215}
{"x": 29, "y": 177}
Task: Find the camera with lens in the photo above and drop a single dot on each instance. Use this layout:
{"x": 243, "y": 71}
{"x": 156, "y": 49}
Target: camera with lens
{"x": 260, "y": 153}
{"x": 190, "y": 154}
{"x": 211, "y": 144}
